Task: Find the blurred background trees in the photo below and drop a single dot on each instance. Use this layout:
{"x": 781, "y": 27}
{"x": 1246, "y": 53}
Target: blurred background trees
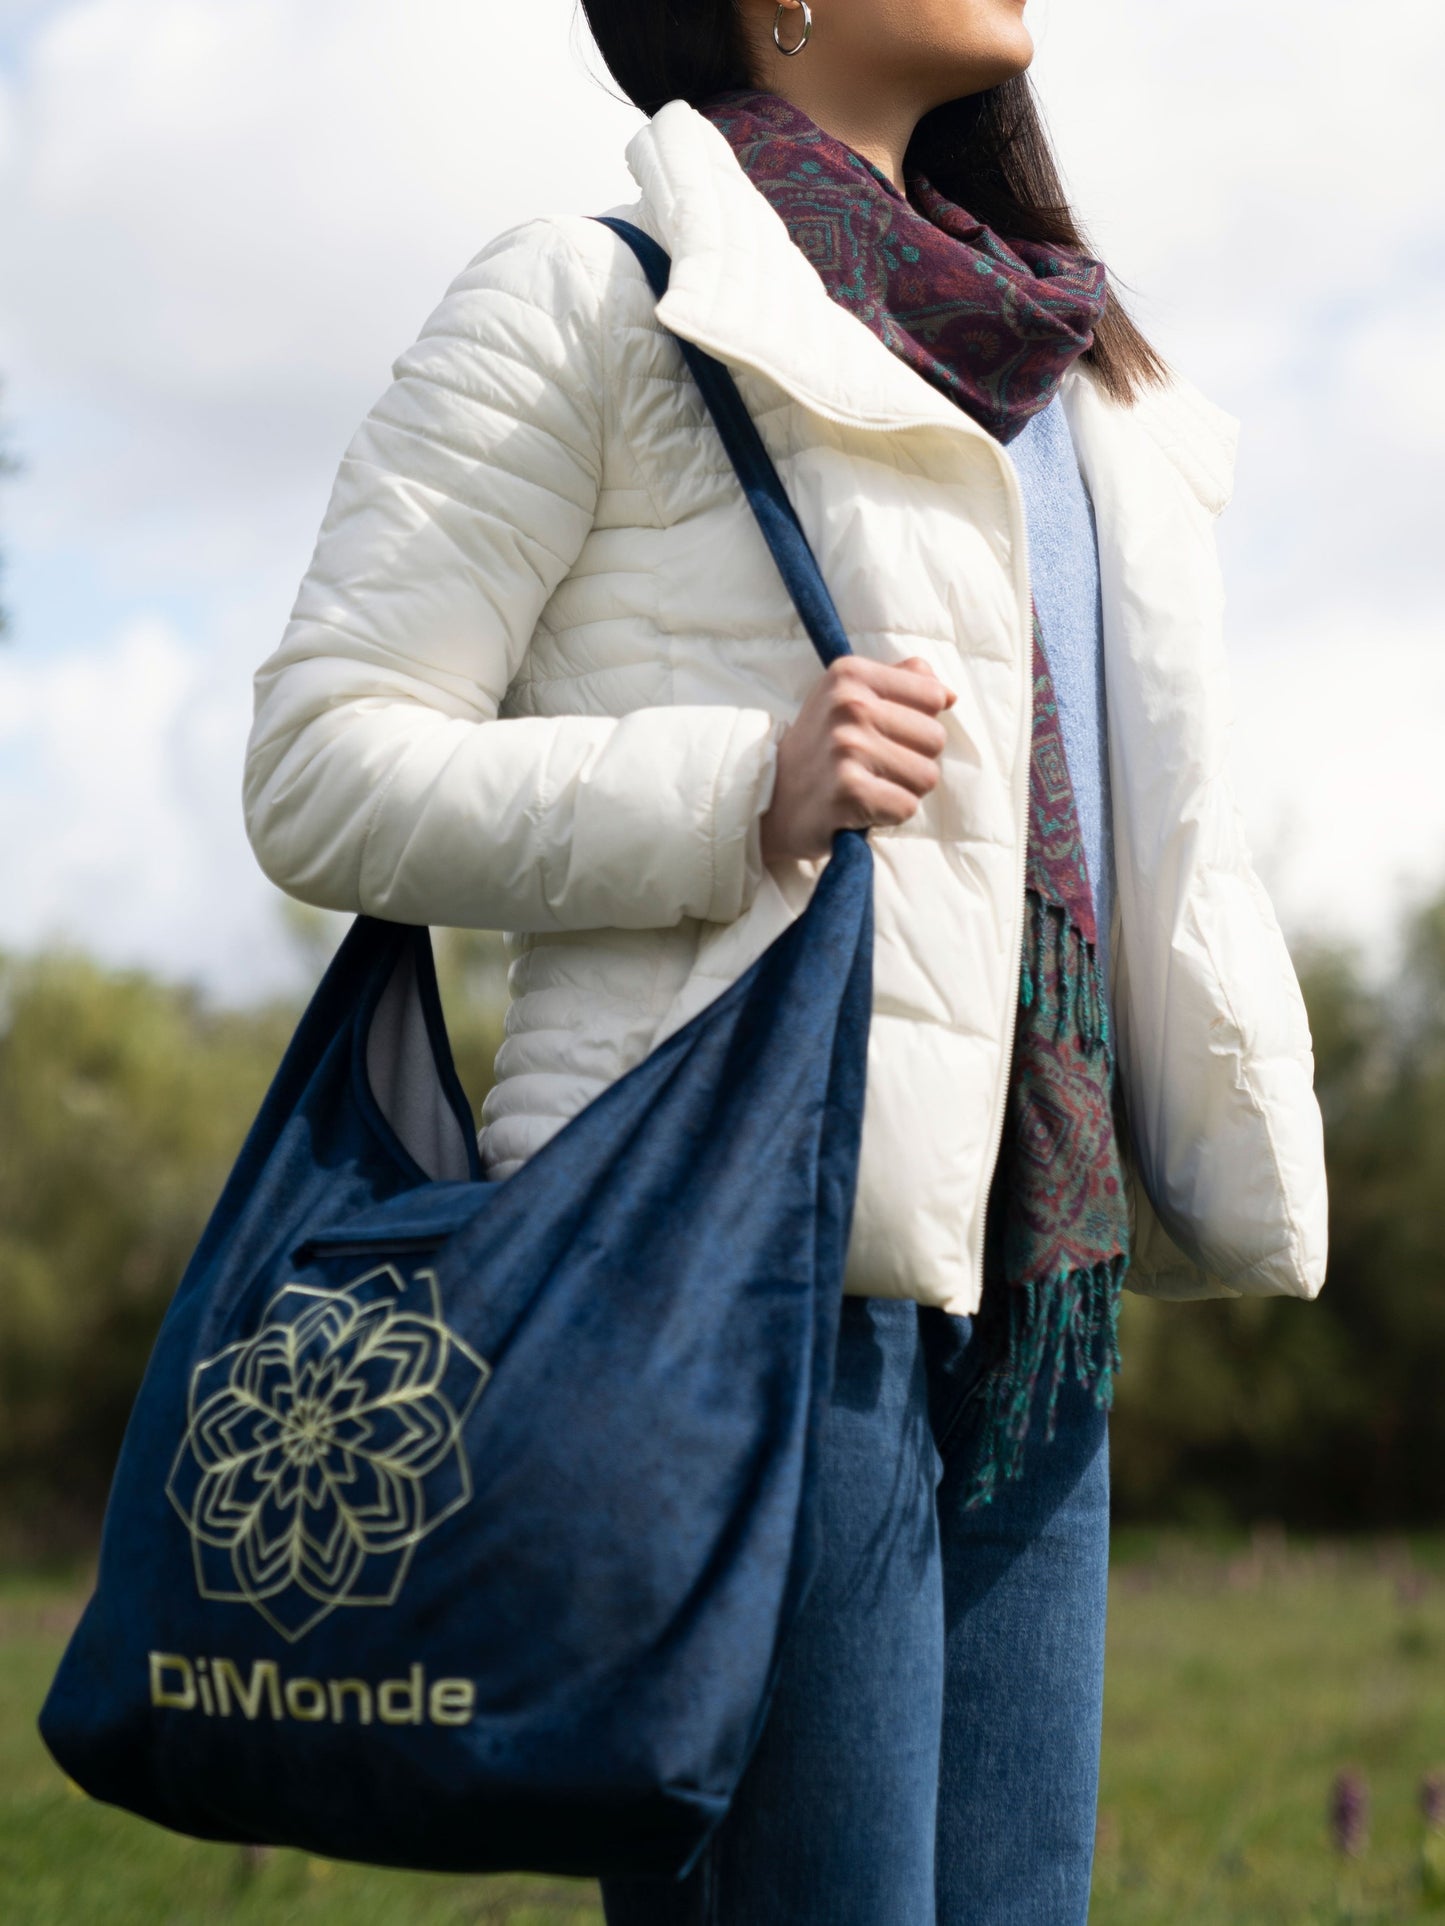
{"x": 1331, "y": 1414}
{"x": 123, "y": 1100}
{"x": 123, "y": 1103}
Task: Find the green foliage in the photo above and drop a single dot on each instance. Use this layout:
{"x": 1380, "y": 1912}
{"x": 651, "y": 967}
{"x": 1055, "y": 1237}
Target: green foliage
{"x": 1328, "y": 1414}
{"x": 123, "y": 1101}
{"x": 122, "y": 1104}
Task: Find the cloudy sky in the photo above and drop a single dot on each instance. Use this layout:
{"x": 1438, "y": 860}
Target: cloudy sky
{"x": 220, "y": 220}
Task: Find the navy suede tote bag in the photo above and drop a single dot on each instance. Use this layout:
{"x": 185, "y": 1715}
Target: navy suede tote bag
{"x": 458, "y": 1525}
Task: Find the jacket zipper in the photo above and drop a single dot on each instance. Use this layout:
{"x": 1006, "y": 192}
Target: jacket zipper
{"x": 1023, "y": 767}
{"x": 971, "y": 433}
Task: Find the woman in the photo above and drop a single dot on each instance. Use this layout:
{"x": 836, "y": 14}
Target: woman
{"x": 542, "y": 676}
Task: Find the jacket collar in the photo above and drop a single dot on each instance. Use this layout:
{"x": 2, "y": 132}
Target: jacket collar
{"x": 743, "y": 291}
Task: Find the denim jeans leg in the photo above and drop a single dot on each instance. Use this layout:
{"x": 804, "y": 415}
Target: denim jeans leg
{"x": 1025, "y": 1588}
{"x": 833, "y": 1823}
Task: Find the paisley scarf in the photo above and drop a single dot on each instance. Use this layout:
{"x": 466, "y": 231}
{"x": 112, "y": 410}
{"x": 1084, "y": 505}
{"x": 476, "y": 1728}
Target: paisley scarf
{"x": 995, "y": 325}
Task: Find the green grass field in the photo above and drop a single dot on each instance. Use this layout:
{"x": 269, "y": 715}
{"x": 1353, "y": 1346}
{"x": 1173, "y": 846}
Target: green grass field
{"x": 1240, "y": 1681}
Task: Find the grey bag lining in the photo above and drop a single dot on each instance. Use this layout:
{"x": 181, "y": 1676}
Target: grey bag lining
{"x": 404, "y": 1080}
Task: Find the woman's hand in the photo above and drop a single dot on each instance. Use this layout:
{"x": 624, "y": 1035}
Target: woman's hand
{"x": 863, "y": 750}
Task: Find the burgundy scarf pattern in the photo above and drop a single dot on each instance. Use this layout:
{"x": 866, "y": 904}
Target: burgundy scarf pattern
{"x": 994, "y": 325}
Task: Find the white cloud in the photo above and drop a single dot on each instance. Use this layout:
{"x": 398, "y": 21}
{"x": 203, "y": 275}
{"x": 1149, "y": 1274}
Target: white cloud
{"x": 223, "y": 219}
{"x": 1392, "y": 371}
{"x": 1336, "y": 763}
{"x": 118, "y": 810}
{"x": 272, "y": 182}
{"x": 1271, "y": 182}
{"x": 1232, "y": 154}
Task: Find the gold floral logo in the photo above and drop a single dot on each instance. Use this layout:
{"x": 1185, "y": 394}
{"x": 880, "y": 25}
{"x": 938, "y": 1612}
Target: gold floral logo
{"x": 320, "y": 1452}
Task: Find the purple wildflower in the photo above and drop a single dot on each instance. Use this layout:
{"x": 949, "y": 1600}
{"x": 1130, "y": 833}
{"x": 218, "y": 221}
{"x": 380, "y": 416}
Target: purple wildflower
{"x": 1349, "y": 1812}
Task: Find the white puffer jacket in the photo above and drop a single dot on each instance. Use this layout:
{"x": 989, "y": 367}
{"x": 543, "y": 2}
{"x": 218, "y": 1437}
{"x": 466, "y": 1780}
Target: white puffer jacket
{"x": 537, "y": 672}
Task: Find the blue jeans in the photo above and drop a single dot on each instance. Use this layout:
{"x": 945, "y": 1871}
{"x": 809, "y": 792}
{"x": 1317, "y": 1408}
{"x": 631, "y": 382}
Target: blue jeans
{"x": 931, "y": 1756}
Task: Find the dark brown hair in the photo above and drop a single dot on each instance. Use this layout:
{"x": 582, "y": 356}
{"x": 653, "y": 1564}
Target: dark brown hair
{"x": 989, "y": 152}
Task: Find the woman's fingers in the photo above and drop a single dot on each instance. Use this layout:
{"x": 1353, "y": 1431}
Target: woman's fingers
{"x": 862, "y": 752}
{"x": 911, "y": 728}
{"x": 880, "y": 804}
{"x": 864, "y": 755}
{"x": 922, "y": 683}
{"x": 912, "y": 684}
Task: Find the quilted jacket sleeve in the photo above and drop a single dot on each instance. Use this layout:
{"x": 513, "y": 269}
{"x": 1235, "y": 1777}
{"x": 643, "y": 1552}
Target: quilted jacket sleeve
{"x": 380, "y": 776}
{"x": 1225, "y": 1161}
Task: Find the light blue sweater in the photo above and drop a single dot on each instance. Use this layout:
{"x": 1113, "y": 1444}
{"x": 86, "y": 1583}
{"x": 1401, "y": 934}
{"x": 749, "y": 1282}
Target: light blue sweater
{"x": 1064, "y": 565}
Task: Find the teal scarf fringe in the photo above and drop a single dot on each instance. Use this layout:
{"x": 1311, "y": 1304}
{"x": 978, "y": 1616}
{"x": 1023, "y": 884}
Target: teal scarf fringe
{"x": 1046, "y": 1324}
{"x": 1083, "y": 1002}
{"x": 1043, "y": 1325}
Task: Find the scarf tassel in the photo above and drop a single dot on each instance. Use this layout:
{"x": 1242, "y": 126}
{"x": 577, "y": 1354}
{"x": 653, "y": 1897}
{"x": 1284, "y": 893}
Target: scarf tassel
{"x": 1074, "y": 1314}
{"x": 1036, "y": 1328}
{"x": 1080, "y": 1000}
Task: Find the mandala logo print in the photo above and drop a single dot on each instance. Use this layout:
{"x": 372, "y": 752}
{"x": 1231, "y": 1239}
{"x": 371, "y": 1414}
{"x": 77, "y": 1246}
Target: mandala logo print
{"x": 321, "y": 1451}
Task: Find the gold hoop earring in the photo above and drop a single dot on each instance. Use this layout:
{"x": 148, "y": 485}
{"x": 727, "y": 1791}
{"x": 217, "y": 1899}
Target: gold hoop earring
{"x": 803, "y": 37}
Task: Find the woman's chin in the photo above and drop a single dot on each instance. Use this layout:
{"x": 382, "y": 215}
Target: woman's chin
{"x": 1010, "y": 55}
{"x": 1015, "y": 55}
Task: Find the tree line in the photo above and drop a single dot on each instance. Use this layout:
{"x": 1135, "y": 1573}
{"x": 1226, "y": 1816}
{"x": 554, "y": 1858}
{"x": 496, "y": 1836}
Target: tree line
{"x": 124, "y": 1098}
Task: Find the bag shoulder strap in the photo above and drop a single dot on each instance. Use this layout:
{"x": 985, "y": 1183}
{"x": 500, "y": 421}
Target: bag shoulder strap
{"x": 760, "y": 480}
